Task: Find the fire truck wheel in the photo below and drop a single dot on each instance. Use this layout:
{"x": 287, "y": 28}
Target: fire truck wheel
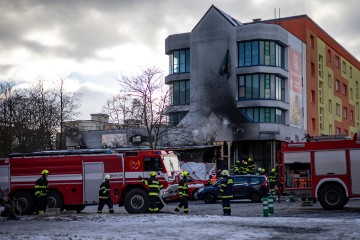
{"x": 332, "y": 197}
{"x": 136, "y": 201}
{"x": 55, "y": 200}
{"x": 25, "y": 202}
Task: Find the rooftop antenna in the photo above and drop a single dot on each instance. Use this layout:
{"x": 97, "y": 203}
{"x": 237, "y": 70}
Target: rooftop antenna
{"x": 279, "y": 12}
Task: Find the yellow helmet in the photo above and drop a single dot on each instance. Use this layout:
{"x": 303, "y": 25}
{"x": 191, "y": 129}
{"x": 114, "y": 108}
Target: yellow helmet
{"x": 152, "y": 174}
{"x": 185, "y": 173}
{"x": 107, "y": 177}
{"x": 44, "y": 172}
{"x": 225, "y": 173}
{"x": 273, "y": 170}
{"x": 249, "y": 159}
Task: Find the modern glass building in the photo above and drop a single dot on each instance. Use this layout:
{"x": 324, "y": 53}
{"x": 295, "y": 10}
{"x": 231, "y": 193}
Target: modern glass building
{"x": 248, "y": 86}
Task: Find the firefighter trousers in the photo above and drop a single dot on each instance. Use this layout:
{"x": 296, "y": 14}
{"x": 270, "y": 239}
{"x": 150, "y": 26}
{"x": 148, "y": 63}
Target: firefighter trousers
{"x": 183, "y": 202}
{"x": 153, "y": 207}
{"x": 108, "y": 202}
{"x": 41, "y": 203}
{"x": 226, "y": 206}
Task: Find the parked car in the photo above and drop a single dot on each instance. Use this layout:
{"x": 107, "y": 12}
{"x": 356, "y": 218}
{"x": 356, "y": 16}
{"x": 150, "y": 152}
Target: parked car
{"x": 251, "y": 187}
{"x": 193, "y": 185}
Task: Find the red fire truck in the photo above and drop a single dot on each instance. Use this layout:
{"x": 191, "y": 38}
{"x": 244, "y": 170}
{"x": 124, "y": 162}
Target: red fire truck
{"x": 75, "y": 177}
{"x": 326, "y": 169}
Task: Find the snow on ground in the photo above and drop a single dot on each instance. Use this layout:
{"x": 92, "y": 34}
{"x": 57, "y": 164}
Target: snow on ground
{"x": 198, "y": 225}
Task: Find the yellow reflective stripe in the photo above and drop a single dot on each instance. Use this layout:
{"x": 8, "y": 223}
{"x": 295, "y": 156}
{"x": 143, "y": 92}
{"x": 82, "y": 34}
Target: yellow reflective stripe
{"x": 39, "y": 186}
{"x": 102, "y": 197}
{"x": 152, "y": 194}
{"x": 154, "y": 186}
{"x": 227, "y": 196}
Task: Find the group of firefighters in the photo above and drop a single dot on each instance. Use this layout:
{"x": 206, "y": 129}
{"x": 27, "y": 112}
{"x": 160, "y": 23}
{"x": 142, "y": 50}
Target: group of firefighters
{"x": 154, "y": 187}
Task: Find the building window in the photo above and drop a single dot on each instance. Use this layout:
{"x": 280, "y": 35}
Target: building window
{"x": 321, "y": 118}
{"x": 313, "y": 124}
{"x": 330, "y": 80}
{"x": 344, "y": 89}
{"x": 350, "y": 72}
{"x": 265, "y": 114}
{"x": 338, "y": 131}
{"x": 321, "y": 89}
{"x": 312, "y": 97}
{"x": 357, "y": 90}
{"x": 312, "y": 69}
{"x": 180, "y": 91}
{"x": 351, "y": 94}
{"x": 337, "y": 85}
{"x": 351, "y": 115}
{"x": 330, "y": 105}
{"x": 345, "y": 132}
{"x": 320, "y": 66}
{"x": 343, "y": 66}
{"x": 344, "y": 112}
{"x": 254, "y": 53}
{"x": 176, "y": 117}
{"x": 312, "y": 41}
{"x": 337, "y": 61}
{"x": 329, "y": 56}
{"x": 261, "y": 86}
{"x": 337, "y": 109}
{"x": 179, "y": 61}
{"x": 330, "y": 129}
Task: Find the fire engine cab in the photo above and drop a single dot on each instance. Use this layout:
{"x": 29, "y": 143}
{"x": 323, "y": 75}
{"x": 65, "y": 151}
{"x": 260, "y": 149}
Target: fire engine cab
{"x": 326, "y": 169}
{"x": 75, "y": 177}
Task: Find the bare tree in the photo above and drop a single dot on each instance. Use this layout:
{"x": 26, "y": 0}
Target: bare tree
{"x": 150, "y": 99}
{"x": 67, "y": 103}
{"x": 31, "y": 118}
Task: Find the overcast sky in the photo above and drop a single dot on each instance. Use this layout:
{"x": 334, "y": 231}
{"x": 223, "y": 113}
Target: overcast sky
{"x": 93, "y": 40}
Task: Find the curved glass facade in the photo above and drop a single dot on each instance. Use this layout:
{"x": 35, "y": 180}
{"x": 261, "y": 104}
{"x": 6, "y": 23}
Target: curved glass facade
{"x": 179, "y": 61}
{"x": 261, "y": 53}
{"x": 261, "y": 86}
{"x": 180, "y": 92}
{"x": 265, "y": 114}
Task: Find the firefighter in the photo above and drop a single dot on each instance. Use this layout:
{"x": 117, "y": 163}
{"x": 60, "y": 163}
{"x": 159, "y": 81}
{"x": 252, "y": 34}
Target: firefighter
{"x": 237, "y": 167}
{"x": 226, "y": 192}
{"x": 273, "y": 180}
{"x": 250, "y": 166}
{"x": 243, "y": 168}
{"x": 41, "y": 192}
{"x": 104, "y": 195}
{"x": 154, "y": 189}
{"x": 183, "y": 192}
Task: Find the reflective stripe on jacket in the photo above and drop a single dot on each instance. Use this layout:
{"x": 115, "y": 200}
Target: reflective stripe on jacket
{"x": 226, "y": 190}
{"x": 183, "y": 188}
{"x": 104, "y": 192}
{"x": 41, "y": 187}
{"x": 154, "y": 186}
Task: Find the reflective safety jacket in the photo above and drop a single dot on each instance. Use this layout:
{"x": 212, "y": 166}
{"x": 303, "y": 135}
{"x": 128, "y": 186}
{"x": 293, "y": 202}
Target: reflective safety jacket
{"x": 41, "y": 187}
{"x": 154, "y": 186}
{"x": 226, "y": 190}
{"x": 273, "y": 177}
{"x": 104, "y": 192}
{"x": 251, "y": 167}
{"x": 183, "y": 188}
